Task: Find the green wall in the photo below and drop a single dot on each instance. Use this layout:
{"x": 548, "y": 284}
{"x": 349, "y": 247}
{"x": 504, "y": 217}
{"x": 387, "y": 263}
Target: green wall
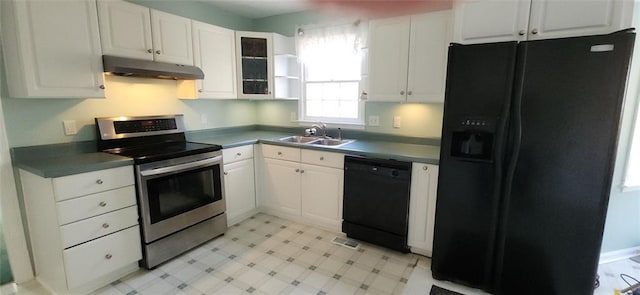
{"x": 201, "y": 12}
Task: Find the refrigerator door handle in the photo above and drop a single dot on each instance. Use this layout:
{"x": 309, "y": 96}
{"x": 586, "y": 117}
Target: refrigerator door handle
{"x": 515, "y": 141}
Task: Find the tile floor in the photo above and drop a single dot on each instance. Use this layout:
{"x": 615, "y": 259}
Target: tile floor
{"x": 270, "y": 255}
{"x": 610, "y": 276}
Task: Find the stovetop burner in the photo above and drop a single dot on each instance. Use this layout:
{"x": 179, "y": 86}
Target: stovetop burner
{"x": 151, "y": 153}
{"x": 147, "y": 139}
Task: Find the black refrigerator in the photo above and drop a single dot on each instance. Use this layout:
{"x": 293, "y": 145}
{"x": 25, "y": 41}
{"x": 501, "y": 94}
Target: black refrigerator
{"x": 527, "y": 155}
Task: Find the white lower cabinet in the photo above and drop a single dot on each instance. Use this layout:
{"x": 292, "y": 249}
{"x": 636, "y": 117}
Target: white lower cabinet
{"x": 239, "y": 183}
{"x": 304, "y": 185}
{"x": 321, "y": 190}
{"x": 282, "y": 186}
{"x": 83, "y": 228}
{"x": 422, "y": 207}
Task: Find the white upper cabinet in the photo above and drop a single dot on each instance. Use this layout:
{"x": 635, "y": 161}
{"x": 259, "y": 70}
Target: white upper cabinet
{"x": 428, "y": 49}
{"x": 481, "y": 21}
{"x": 172, "y": 41}
{"x": 554, "y": 18}
{"x": 408, "y": 58}
{"x": 214, "y": 52}
{"x": 125, "y": 29}
{"x": 254, "y": 54}
{"x": 52, "y": 49}
{"x": 131, "y": 30}
{"x": 388, "y": 58}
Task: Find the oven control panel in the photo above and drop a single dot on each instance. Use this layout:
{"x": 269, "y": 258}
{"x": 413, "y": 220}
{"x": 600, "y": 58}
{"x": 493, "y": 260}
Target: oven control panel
{"x": 144, "y": 125}
{"x": 125, "y": 127}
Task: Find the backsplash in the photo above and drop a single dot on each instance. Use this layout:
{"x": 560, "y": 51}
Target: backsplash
{"x": 39, "y": 121}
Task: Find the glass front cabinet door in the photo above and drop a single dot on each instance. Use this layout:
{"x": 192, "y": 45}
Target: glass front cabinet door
{"x": 254, "y": 51}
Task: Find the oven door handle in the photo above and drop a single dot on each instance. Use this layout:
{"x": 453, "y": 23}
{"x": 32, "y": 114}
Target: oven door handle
{"x": 180, "y": 167}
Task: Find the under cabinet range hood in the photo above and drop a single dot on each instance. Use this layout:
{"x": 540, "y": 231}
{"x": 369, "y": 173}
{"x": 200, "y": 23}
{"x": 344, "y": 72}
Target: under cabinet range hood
{"x": 123, "y": 66}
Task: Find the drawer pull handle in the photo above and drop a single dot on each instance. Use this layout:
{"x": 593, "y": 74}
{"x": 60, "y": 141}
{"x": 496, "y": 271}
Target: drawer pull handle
{"x": 102, "y": 204}
{"x": 108, "y": 256}
{"x": 425, "y": 168}
{"x": 279, "y": 153}
{"x": 321, "y": 158}
{"x": 225, "y": 173}
{"x": 239, "y": 154}
{"x": 99, "y": 181}
{"x": 105, "y": 225}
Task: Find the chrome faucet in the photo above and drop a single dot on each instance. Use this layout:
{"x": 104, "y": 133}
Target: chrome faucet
{"x": 322, "y": 126}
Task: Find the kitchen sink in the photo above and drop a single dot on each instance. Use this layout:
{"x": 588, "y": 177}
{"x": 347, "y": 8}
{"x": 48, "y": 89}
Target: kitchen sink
{"x": 331, "y": 141}
{"x": 299, "y": 139}
{"x": 314, "y": 140}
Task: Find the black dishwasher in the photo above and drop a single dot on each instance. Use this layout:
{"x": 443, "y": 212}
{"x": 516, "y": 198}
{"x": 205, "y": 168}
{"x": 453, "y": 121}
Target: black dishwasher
{"x": 376, "y": 201}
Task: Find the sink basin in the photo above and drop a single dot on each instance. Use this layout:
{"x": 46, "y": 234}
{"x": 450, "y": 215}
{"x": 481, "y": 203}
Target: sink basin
{"x": 331, "y": 141}
{"x": 298, "y": 139}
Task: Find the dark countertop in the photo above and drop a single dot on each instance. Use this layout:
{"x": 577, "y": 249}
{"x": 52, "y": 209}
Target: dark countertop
{"x": 72, "y": 164}
{"x": 429, "y": 154}
{"x": 72, "y": 158}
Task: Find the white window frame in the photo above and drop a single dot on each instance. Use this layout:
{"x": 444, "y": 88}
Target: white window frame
{"x": 353, "y": 123}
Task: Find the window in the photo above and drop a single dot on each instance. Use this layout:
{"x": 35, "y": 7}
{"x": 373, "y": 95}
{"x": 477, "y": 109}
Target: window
{"x": 331, "y": 60}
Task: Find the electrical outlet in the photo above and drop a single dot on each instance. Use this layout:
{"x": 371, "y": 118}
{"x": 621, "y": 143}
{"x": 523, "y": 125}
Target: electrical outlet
{"x": 374, "y": 120}
{"x": 397, "y": 121}
{"x": 293, "y": 116}
{"x": 69, "y": 127}
{"x": 204, "y": 119}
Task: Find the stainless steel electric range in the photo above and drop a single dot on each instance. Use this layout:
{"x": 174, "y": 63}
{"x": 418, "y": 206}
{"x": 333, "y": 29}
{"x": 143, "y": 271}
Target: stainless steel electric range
{"x": 179, "y": 183}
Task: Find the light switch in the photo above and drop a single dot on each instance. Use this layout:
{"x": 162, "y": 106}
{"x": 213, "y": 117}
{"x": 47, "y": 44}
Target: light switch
{"x": 69, "y": 127}
{"x": 397, "y": 121}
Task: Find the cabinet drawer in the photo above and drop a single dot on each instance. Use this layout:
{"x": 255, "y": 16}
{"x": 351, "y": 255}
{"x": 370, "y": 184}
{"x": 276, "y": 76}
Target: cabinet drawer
{"x": 96, "y": 204}
{"x": 76, "y": 185}
{"x": 321, "y": 158}
{"x": 281, "y": 152}
{"x": 94, "y": 259}
{"x": 237, "y": 154}
{"x": 84, "y": 230}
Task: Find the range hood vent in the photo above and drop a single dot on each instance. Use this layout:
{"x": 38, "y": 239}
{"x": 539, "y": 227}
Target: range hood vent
{"x": 123, "y": 66}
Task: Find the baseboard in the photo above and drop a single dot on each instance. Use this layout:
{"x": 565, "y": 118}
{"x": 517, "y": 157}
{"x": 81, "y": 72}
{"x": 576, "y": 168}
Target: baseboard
{"x": 612, "y": 256}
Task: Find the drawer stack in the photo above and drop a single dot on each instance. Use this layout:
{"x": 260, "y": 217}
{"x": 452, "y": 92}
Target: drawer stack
{"x": 83, "y": 227}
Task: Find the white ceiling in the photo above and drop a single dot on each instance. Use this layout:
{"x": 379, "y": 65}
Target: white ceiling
{"x": 260, "y": 8}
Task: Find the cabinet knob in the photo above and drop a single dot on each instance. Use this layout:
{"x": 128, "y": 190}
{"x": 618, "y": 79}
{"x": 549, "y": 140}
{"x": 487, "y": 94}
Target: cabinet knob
{"x": 102, "y": 204}
{"x": 105, "y": 225}
{"x": 321, "y": 158}
{"x": 239, "y": 154}
{"x": 521, "y": 32}
{"x": 101, "y": 87}
{"x": 108, "y": 256}
{"x": 99, "y": 181}
{"x": 150, "y": 50}
{"x": 268, "y": 92}
{"x": 200, "y": 90}
{"x": 409, "y": 92}
{"x": 297, "y": 170}
{"x": 425, "y": 168}
{"x": 157, "y": 51}
{"x": 401, "y": 92}
{"x": 534, "y": 31}
{"x": 279, "y": 153}
{"x": 225, "y": 173}
{"x": 301, "y": 171}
